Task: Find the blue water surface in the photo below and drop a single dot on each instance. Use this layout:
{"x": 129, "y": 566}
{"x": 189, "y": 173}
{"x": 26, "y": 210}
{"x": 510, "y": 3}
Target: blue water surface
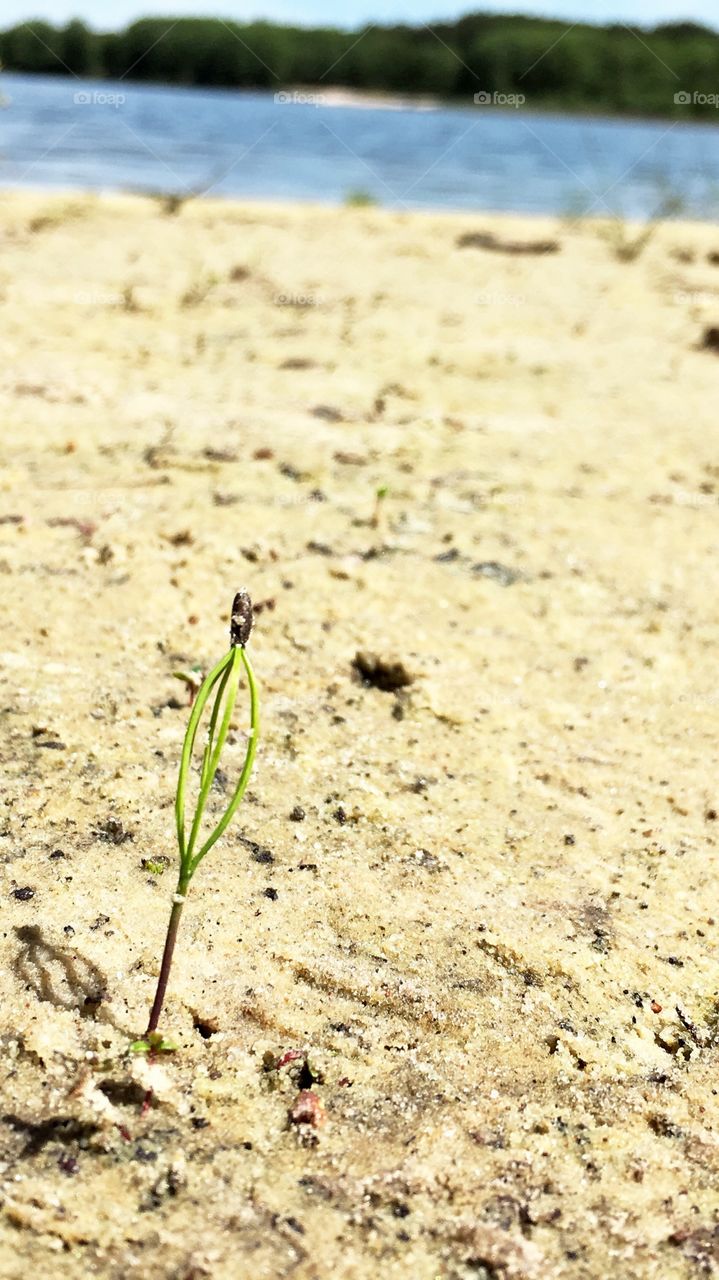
{"x": 102, "y": 136}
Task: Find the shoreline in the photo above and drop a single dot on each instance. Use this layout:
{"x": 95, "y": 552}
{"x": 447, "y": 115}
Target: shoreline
{"x": 340, "y": 96}
{"x": 335, "y": 96}
{"x": 48, "y": 194}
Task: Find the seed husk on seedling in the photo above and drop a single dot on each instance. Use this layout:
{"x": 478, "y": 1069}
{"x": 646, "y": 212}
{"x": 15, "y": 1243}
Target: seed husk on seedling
{"x": 223, "y": 681}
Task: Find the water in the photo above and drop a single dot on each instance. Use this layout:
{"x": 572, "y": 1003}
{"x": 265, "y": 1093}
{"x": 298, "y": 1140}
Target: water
{"x": 107, "y": 137}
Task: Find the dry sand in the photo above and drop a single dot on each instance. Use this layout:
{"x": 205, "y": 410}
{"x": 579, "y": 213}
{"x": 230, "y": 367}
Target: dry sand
{"x": 493, "y": 936}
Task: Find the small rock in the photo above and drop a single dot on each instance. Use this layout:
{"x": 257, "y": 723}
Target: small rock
{"x": 500, "y": 573}
{"x": 424, "y": 858}
{"x": 112, "y": 831}
{"x": 220, "y": 455}
{"x": 259, "y": 852}
{"x": 307, "y": 1109}
{"x": 348, "y": 459}
{"x": 387, "y": 674}
{"x": 298, "y": 362}
{"x": 326, "y": 413}
{"x": 292, "y": 473}
{"x": 710, "y": 339}
{"x": 487, "y": 240}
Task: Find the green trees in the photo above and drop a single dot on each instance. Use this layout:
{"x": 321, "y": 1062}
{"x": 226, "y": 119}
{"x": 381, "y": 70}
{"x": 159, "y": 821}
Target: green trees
{"x": 399, "y": 60}
{"x": 79, "y": 49}
{"x": 34, "y": 47}
{"x": 42, "y": 49}
{"x": 311, "y": 54}
{"x": 585, "y": 67}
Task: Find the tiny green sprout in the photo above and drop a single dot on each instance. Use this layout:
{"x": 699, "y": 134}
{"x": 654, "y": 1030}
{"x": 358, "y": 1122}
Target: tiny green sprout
{"x": 193, "y": 680}
{"x": 358, "y": 198}
{"x": 379, "y": 501}
{"x": 154, "y": 1043}
{"x": 223, "y": 681}
{"x": 154, "y": 866}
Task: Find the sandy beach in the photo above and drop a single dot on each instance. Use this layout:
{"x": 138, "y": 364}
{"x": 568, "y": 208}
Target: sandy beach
{"x": 491, "y": 938}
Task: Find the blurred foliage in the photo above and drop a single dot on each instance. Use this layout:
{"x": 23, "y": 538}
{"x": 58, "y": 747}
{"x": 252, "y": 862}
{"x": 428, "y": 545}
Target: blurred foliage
{"x": 611, "y": 68}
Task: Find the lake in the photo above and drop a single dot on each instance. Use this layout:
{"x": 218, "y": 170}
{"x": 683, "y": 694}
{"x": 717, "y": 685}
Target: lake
{"x": 103, "y": 136}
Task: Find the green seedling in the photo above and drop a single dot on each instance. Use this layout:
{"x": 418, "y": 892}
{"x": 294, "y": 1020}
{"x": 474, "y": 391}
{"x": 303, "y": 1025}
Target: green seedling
{"x": 192, "y": 679}
{"x": 380, "y": 498}
{"x": 360, "y": 199}
{"x": 156, "y": 866}
{"x": 223, "y": 681}
{"x": 199, "y": 291}
{"x": 153, "y": 1043}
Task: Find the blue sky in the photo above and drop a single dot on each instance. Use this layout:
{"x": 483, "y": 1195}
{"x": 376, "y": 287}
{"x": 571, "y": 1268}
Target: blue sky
{"x": 115, "y": 13}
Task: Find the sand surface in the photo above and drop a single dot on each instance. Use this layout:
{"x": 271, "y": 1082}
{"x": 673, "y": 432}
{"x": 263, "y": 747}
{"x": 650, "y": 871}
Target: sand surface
{"x": 492, "y": 939}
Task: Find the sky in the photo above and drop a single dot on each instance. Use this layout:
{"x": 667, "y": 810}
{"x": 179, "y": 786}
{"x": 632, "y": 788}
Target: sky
{"x": 111, "y": 14}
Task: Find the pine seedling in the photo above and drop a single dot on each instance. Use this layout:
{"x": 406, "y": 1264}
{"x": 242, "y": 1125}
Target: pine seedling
{"x": 380, "y": 498}
{"x": 223, "y": 681}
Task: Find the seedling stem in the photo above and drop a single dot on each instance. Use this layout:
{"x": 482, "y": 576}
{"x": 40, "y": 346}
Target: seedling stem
{"x": 224, "y": 681}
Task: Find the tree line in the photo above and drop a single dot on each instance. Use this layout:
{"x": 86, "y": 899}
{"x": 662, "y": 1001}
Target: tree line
{"x": 588, "y": 68}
